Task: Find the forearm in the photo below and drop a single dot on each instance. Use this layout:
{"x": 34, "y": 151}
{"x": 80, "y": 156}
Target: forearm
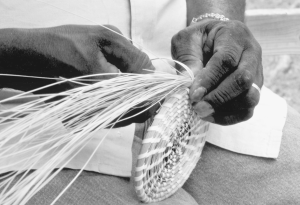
{"x": 21, "y": 50}
{"x": 14, "y": 40}
{"x": 25, "y": 52}
{"x": 232, "y": 9}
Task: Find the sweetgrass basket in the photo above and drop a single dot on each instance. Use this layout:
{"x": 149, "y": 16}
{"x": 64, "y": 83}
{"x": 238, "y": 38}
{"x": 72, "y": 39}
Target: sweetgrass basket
{"x": 171, "y": 149}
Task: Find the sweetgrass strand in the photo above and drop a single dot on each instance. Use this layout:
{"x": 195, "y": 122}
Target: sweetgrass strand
{"x": 106, "y": 100}
{"x": 112, "y": 99}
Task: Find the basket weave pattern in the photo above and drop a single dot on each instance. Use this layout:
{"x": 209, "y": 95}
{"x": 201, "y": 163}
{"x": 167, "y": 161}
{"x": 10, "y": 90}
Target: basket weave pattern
{"x": 171, "y": 149}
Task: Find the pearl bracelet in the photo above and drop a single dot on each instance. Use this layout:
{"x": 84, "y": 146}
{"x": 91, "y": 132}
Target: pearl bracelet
{"x": 210, "y": 15}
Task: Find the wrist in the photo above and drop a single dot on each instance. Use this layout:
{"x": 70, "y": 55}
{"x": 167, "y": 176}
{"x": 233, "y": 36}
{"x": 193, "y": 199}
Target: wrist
{"x": 11, "y": 39}
{"x": 14, "y": 40}
{"x": 232, "y": 9}
{"x": 13, "y": 46}
{"x": 214, "y": 16}
{"x": 24, "y": 51}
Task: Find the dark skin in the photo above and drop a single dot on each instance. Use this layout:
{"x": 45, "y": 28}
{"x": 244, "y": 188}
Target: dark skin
{"x": 226, "y": 61}
{"x": 68, "y": 51}
{"x": 224, "y": 56}
{"x": 232, "y": 9}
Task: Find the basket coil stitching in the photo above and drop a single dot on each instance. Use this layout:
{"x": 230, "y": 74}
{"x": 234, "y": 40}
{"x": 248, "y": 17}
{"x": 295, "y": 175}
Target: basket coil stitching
{"x": 171, "y": 149}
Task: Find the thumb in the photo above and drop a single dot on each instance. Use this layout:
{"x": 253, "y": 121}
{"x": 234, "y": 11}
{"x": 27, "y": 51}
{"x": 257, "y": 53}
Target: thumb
{"x": 126, "y": 57}
{"x": 186, "y": 47}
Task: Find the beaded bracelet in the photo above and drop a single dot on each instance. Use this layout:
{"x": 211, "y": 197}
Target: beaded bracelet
{"x": 210, "y": 15}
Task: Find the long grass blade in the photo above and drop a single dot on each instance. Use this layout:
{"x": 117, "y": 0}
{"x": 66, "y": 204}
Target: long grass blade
{"x": 48, "y": 133}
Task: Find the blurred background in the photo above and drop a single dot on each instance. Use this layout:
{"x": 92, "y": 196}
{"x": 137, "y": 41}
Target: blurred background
{"x": 282, "y": 73}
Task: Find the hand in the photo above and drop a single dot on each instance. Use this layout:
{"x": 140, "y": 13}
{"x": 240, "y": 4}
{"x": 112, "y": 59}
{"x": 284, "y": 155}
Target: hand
{"x": 226, "y": 61}
{"x": 68, "y": 51}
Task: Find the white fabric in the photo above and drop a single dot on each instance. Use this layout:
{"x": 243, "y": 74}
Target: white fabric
{"x": 151, "y": 25}
{"x": 259, "y": 136}
{"x": 114, "y": 155}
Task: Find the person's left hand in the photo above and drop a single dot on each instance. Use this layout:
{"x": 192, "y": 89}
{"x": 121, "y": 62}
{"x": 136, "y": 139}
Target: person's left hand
{"x": 226, "y": 61}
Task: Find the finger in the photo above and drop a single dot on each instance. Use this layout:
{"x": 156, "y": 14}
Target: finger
{"x": 221, "y": 64}
{"x": 186, "y": 47}
{"x": 119, "y": 52}
{"x": 222, "y": 51}
{"x": 246, "y": 100}
{"x": 237, "y": 82}
{"x": 113, "y": 29}
{"x": 127, "y": 58}
{"x": 229, "y": 89}
{"x": 230, "y": 118}
{"x": 217, "y": 69}
{"x": 104, "y": 60}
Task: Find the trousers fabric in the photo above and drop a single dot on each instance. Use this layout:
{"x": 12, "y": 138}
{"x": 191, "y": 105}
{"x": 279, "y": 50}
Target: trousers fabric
{"x": 220, "y": 177}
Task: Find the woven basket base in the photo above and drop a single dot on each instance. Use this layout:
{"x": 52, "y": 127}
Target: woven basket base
{"x": 171, "y": 149}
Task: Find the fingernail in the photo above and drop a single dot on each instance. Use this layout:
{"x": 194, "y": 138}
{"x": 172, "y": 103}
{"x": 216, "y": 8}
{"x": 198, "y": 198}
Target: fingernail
{"x": 198, "y": 94}
{"x": 209, "y": 119}
{"x": 204, "y": 109}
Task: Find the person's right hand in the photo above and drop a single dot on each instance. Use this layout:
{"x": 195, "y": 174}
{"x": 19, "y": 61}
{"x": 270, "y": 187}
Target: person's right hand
{"x": 66, "y": 51}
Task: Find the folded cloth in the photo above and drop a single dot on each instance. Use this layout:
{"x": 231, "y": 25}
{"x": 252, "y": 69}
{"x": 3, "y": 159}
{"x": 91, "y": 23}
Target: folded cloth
{"x": 259, "y": 136}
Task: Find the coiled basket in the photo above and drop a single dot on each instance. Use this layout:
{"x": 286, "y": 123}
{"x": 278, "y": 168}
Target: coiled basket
{"x": 171, "y": 149}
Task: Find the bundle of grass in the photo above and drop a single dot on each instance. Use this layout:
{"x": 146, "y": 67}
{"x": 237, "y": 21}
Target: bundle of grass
{"x": 51, "y": 129}
{"x": 107, "y": 100}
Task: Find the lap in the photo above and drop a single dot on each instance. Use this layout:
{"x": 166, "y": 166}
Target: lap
{"x": 220, "y": 177}
{"x": 93, "y": 188}
{"x": 224, "y": 177}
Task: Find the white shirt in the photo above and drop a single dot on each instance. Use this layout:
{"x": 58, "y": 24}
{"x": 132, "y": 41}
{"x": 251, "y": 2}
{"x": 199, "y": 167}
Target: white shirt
{"x": 151, "y": 25}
